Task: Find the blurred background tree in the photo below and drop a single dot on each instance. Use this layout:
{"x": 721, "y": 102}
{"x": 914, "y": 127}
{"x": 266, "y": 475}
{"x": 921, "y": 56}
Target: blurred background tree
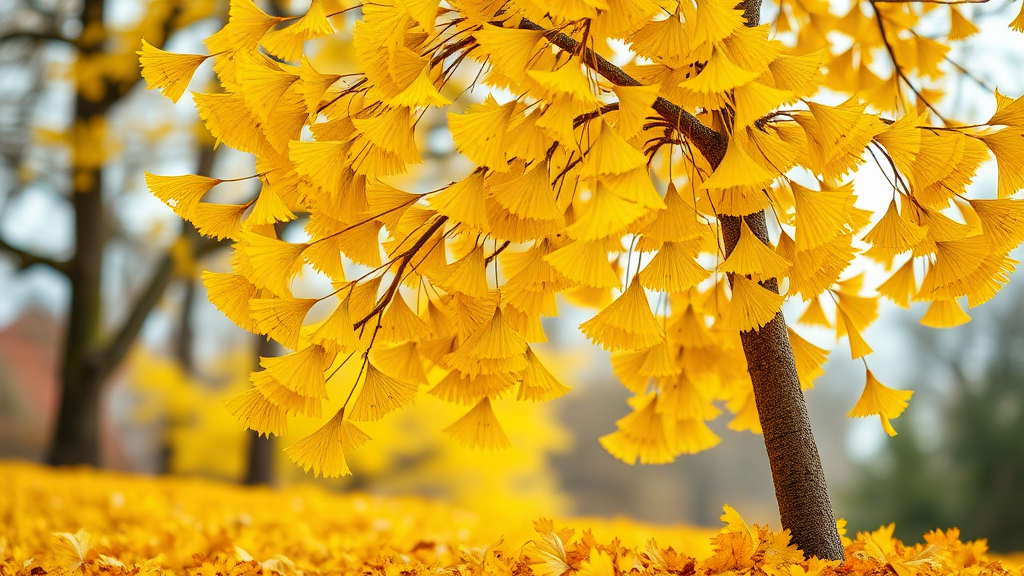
{"x": 73, "y": 144}
{"x": 962, "y": 462}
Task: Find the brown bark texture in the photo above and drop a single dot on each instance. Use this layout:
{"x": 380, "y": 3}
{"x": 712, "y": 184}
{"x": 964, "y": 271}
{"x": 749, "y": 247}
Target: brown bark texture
{"x": 800, "y": 487}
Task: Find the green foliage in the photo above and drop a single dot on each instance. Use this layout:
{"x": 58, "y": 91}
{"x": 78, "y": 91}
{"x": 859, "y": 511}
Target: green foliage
{"x": 966, "y": 467}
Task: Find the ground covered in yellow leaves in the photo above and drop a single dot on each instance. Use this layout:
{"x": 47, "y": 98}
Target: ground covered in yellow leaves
{"x": 86, "y": 521}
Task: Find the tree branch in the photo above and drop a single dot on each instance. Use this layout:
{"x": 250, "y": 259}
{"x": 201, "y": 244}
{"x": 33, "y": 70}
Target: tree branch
{"x": 111, "y": 355}
{"x": 35, "y": 35}
{"x": 27, "y": 259}
{"x": 710, "y": 143}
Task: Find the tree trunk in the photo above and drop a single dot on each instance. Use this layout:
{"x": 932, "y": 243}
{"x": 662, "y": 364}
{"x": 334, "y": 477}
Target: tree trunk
{"x": 260, "y": 466}
{"x": 76, "y": 440}
{"x": 87, "y": 361}
{"x": 800, "y": 487}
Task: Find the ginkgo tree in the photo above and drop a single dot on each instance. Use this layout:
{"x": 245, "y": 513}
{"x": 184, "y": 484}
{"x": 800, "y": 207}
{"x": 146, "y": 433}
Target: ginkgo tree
{"x": 685, "y": 195}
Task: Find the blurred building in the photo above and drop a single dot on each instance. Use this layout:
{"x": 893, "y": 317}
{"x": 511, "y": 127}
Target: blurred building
{"x": 29, "y": 357}
{"x": 29, "y": 349}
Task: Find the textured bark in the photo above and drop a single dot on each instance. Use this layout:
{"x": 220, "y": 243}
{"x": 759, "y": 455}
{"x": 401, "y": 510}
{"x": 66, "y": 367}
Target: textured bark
{"x": 800, "y": 487}
{"x": 76, "y": 437}
{"x": 88, "y": 358}
{"x": 76, "y": 440}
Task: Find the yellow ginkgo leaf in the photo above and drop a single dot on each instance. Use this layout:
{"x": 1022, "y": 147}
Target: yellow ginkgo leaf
{"x": 893, "y": 234}
{"x": 858, "y": 346}
{"x": 257, "y": 413}
{"x": 608, "y": 214}
{"x": 1009, "y": 112}
{"x": 1006, "y": 145}
{"x": 752, "y": 257}
{"x": 479, "y": 428}
{"x": 271, "y": 263}
{"x": 464, "y": 202}
{"x": 673, "y": 269}
{"x": 218, "y": 221}
{"x": 585, "y": 263}
{"x": 323, "y": 451}
{"x": 538, "y": 384}
{"x": 901, "y": 286}
{"x": 509, "y": 50}
{"x": 797, "y": 73}
{"x": 480, "y": 132}
{"x": 268, "y": 209}
{"x": 336, "y": 332}
{"x": 609, "y": 153}
{"x": 567, "y": 80}
{"x": 718, "y": 76}
{"x": 284, "y": 397}
{"x": 635, "y": 104}
{"x": 400, "y": 324}
{"x": 956, "y": 259}
{"x": 681, "y": 399}
{"x": 301, "y": 371}
{"x": 814, "y": 314}
{"x": 181, "y": 193}
{"x": 392, "y": 132}
{"x": 1002, "y": 222}
{"x": 287, "y": 42}
{"x": 380, "y": 395}
{"x": 945, "y": 314}
{"x": 529, "y": 195}
{"x": 167, "y": 71}
{"x": 691, "y": 330}
{"x": 467, "y": 275}
{"x": 737, "y": 169}
{"x": 960, "y": 28}
{"x": 821, "y": 216}
{"x": 231, "y": 293}
{"x": 751, "y": 307}
{"x": 281, "y": 318}
{"x": 420, "y": 94}
{"x": 746, "y": 417}
{"x": 755, "y": 100}
{"x": 809, "y": 359}
{"x": 692, "y": 436}
{"x": 265, "y": 82}
{"x": 247, "y": 23}
{"x": 902, "y": 141}
{"x": 882, "y": 401}
{"x": 459, "y": 388}
{"x": 625, "y": 324}
{"x": 678, "y": 222}
{"x": 715, "y": 20}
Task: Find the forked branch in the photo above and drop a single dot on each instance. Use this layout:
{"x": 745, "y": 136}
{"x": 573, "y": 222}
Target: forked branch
{"x": 710, "y": 143}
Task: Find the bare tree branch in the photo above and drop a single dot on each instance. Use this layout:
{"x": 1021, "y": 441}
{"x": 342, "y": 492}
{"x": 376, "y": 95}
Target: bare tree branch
{"x": 709, "y": 142}
{"x": 111, "y": 355}
{"x": 27, "y": 259}
{"x": 35, "y": 35}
